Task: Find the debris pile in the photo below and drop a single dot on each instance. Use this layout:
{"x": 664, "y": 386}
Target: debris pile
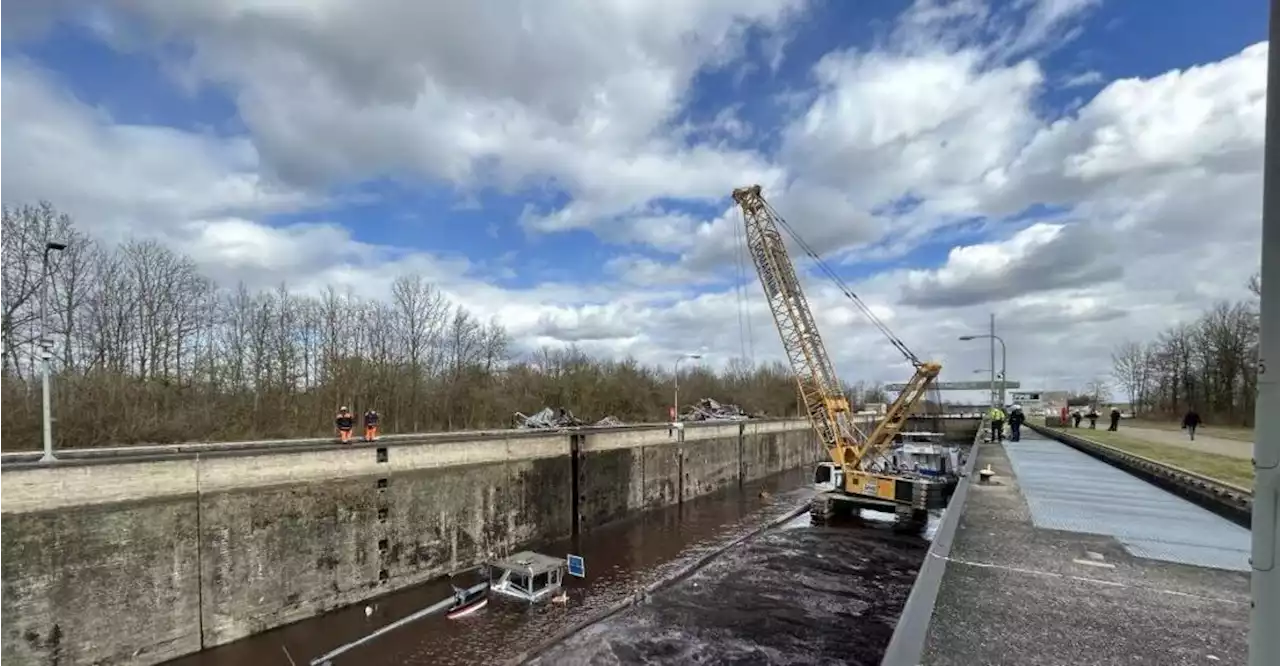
{"x": 551, "y": 419}
{"x": 708, "y": 409}
{"x": 548, "y": 418}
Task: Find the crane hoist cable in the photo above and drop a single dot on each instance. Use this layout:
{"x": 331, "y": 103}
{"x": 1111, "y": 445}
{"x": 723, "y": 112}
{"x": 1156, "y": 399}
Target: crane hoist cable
{"x": 844, "y": 288}
{"x": 820, "y": 391}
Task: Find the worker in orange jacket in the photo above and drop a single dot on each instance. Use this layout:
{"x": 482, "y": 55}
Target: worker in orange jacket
{"x": 370, "y": 425}
{"x": 344, "y": 421}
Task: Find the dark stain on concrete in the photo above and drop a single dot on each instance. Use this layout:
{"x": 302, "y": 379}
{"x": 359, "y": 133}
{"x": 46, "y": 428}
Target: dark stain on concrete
{"x": 604, "y": 482}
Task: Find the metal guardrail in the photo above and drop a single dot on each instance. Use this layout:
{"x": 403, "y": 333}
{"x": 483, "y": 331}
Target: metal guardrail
{"x": 1227, "y": 499}
{"x": 906, "y": 646}
{"x": 154, "y": 452}
{"x": 150, "y": 452}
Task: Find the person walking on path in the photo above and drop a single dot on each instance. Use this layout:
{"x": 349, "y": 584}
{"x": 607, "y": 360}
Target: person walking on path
{"x": 1191, "y": 421}
{"x": 997, "y": 424}
{"x": 1093, "y": 418}
{"x": 1016, "y": 419}
{"x": 1115, "y": 420}
{"x": 1075, "y": 419}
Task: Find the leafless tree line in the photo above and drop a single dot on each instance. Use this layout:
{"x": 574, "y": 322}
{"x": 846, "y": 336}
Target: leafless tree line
{"x": 147, "y": 349}
{"x": 1209, "y": 364}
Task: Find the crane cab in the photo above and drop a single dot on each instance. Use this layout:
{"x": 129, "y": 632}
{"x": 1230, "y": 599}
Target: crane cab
{"x": 828, "y": 476}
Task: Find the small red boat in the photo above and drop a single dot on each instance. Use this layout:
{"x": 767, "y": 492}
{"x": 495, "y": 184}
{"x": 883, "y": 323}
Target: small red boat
{"x": 467, "y": 604}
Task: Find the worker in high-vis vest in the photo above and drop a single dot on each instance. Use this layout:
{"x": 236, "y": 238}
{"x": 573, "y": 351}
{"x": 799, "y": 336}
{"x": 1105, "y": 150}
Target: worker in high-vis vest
{"x": 997, "y": 424}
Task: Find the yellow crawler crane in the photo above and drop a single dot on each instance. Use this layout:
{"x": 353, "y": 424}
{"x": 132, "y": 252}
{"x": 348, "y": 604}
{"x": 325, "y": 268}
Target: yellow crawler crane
{"x": 858, "y": 474}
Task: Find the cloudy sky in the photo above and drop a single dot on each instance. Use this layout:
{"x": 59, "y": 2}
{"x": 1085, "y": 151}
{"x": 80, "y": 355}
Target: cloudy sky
{"x": 1090, "y": 171}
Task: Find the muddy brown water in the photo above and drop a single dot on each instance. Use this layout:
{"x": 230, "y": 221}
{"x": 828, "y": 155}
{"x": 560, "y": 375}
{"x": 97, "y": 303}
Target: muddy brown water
{"x": 620, "y": 559}
{"x": 795, "y": 595}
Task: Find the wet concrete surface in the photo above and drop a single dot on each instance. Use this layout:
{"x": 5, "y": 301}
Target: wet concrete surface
{"x": 794, "y": 595}
{"x": 1015, "y": 594}
{"x": 620, "y": 559}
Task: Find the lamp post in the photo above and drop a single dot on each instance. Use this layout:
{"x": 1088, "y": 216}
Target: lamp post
{"x": 1004, "y": 356}
{"x": 676, "y": 398}
{"x": 46, "y": 350}
{"x": 1264, "y": 640}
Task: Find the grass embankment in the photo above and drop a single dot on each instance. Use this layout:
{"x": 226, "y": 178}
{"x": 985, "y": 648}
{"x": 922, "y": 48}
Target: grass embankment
{"x": 1237, "y": 433}
{"x": 1236, "y": 471}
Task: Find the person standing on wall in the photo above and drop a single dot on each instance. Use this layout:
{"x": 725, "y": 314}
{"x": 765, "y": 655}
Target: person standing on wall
{"x": 344, "y": 421}
{"x": 997, "y": 424}
{"x": 370, "y": 425}
{"x": 1191, "y": 421}
{"x": 1016, "y": 419}
{"x": 1115, "y": 419}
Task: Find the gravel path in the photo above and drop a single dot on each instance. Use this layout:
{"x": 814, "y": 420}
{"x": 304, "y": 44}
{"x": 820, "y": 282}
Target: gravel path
{"x": 1204, "y": 442}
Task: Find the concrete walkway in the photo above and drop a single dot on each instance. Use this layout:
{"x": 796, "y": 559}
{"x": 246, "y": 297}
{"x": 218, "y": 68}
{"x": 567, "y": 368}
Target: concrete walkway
{"x": 1204, "y": 443}
{"x": 1064, "y": 560}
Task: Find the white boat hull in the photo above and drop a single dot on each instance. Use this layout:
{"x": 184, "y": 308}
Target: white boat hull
{"x": 467, "y": 610}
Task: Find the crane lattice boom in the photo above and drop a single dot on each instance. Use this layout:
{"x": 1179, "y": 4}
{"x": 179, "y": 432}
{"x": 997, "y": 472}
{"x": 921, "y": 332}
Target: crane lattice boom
{"x": 820, "y": 390}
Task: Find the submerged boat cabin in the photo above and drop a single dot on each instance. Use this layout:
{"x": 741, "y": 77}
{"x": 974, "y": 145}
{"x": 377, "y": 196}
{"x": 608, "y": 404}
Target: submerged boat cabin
{"x": 924, "y": 452}
{"x": 527, "y": 575}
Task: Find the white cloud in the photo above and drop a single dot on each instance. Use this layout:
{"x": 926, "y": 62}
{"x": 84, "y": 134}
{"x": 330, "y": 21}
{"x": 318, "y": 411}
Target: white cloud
{"x": 1088, "y": 78}
{"x": 1039, "y": 258}
{"x": 929, "y": 125}
{"x": 117, "y": 175}
{"x": 579, "y": 94}
{"x": 1161, "y": 178}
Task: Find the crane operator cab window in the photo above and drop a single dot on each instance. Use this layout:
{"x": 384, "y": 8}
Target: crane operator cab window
{"x": 828, "y": 476}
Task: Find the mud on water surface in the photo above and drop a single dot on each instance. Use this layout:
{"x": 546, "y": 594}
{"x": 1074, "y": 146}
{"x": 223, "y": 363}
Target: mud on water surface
{"x": 797, "y": 595}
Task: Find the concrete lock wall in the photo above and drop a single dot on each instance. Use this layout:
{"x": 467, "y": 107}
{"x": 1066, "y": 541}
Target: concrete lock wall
{"x": 141, "y": 562}
{"x": 628, "y": 470}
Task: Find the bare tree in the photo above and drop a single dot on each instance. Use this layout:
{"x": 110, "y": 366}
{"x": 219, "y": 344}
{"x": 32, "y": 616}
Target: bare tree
{"x": 1209, "y": 364}
{"x": 149, "y": 350}
{"x": 1098, "y": 391}
{"x": 1129, "y": 369}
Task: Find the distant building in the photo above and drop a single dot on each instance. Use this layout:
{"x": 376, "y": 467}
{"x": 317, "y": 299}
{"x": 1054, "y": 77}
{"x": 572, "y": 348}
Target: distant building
{"x": 1039, "y": 403}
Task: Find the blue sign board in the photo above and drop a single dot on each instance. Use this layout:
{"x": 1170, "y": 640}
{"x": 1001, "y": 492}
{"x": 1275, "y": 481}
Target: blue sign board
{"x": 577, "y": 567}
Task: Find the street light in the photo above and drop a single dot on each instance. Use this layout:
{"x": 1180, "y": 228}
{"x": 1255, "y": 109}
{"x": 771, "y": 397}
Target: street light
{"x": 1004, "y": 355}
{"x": 675, "y": 418}
{"x": 46, "y": 350}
